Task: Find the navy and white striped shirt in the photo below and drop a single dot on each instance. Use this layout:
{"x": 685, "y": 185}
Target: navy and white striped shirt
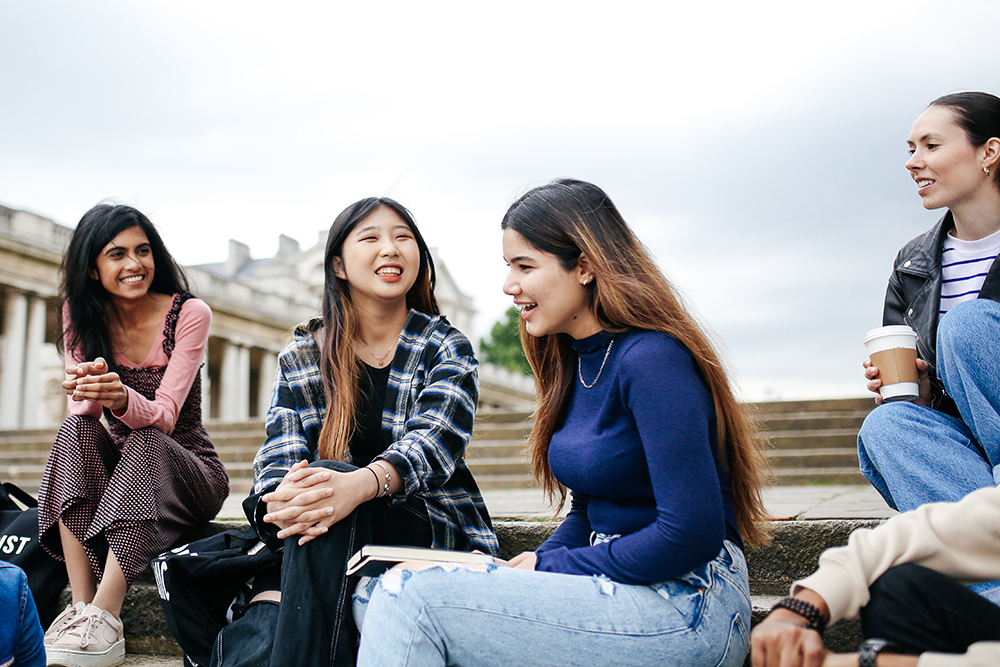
{"x": 964, "y": 266}
{"x": 430, "y": 401}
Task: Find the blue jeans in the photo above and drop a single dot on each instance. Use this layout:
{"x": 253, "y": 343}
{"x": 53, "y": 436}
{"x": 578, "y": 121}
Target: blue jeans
{"x": 914, "y": 454}
{"x": 502, "y": 616}
{"x": 312, "y": 626}
{"x": 20, "y": 631}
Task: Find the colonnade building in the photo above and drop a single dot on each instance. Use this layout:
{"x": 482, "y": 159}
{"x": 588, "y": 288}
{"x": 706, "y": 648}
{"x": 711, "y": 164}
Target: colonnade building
{"x": 255, "y": 303}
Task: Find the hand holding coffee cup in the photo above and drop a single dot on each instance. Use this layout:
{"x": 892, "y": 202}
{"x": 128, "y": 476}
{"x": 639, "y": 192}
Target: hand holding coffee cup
{"x": 893, "y": 351}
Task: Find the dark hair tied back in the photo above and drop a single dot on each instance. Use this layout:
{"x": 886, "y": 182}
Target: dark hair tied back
{"x": 978, "y": 114}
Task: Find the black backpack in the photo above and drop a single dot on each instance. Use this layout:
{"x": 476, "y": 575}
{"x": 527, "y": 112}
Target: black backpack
{"x": 202, "y": 585}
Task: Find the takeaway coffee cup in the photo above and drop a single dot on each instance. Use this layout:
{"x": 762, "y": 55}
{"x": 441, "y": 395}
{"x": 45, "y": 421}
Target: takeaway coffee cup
{"x": 893, "y": 350}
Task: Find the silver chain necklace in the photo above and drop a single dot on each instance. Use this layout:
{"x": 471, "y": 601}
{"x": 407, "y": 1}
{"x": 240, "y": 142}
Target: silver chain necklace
{"x": 379, "y": 359}
{"x": 579, "y": 367}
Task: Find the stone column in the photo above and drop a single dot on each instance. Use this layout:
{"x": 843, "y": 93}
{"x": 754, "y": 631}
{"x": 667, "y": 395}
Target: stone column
{"x": 206, "y": 390}
{"x": 32, "y": 415}
{"x": 242, "y": 411}
{"x": 230, "y": 382}
{"x": 268, "y": 366}
{"x": 12, "y": 370}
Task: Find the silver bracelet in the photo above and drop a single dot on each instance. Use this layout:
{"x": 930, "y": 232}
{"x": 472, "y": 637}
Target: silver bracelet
{"x": 388, "y": 476}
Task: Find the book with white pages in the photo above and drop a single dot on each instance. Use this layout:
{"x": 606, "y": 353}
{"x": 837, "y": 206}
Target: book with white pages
{"x": 374, "y": 559}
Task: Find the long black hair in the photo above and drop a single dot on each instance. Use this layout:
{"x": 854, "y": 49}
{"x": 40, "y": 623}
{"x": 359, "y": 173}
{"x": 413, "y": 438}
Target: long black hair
{"x": 84, "y": 312}
{"x": 338, "y": 363}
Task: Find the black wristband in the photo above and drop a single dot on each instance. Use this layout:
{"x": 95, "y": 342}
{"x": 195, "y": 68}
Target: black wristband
{"x": 811, "y": 613}
{"x": 870, "y": 648}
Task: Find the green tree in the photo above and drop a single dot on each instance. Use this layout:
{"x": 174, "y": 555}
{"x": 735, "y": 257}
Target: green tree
{"x": 503, "y": 347}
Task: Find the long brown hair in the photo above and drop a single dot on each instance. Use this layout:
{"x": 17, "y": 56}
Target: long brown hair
{"x": 567, "y": 218}
{"x": 338, "y": 364}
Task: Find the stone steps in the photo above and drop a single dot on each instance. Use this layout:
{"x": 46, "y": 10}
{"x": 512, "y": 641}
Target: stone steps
{"x": 520, "y": 480}
{"x": 848, "y": 476}
{"x": 792, "y": 554}
{"x": 808, "y": 442}
{"x": 819, "y": 457}
{"x": 495, "y": 448}
{"x": 836, "y": 405}
{"x": 813, "y": 442}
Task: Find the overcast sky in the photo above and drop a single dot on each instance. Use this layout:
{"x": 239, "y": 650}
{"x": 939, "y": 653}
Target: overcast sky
{"x": 756, "y": 148}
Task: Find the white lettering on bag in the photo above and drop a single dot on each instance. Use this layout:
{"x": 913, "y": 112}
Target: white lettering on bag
{"x": 159, "y": 568}
{"x": 8, "y": 543}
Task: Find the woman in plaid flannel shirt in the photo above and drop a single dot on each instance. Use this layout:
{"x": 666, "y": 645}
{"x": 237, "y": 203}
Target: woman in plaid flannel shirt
{"x": 381, "y": 381}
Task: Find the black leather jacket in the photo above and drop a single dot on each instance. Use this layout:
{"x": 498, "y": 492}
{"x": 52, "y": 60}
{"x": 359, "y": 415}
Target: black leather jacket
{"x": 914, "y": 297}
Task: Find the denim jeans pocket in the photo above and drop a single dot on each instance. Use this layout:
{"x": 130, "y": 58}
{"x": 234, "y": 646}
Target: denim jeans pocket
{"x": 737, "y": 643}
{"x": 731, "y": 565}
{"x": 687, "y": 593}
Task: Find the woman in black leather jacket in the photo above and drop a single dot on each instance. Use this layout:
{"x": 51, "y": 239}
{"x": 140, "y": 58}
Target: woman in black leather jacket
{"x": 946, "y": 286}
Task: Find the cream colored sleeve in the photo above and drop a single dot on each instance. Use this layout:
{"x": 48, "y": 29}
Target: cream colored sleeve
{"x": 961, "y": 540}
{"x": 980, "y": 654}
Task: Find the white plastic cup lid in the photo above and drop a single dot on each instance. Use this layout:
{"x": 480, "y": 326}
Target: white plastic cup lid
{"x": 895, "y": 335}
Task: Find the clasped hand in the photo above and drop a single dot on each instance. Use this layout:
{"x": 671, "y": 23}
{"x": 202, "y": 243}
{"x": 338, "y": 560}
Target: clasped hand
{"x": 310, "y": 500}
{"x": 781, "y": 641}
{"x": 90, "y": 381}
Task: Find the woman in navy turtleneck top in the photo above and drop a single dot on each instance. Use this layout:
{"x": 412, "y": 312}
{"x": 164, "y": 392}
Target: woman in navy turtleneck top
{"x": 636, "y": 417}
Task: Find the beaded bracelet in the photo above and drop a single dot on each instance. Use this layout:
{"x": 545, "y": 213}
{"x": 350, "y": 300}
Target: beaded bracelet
{"x": 388, "y": 476}
{"x": 810, "y": 612}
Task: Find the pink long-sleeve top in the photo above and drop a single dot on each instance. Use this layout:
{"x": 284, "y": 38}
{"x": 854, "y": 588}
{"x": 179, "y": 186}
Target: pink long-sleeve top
{"x": 191, "y": 338}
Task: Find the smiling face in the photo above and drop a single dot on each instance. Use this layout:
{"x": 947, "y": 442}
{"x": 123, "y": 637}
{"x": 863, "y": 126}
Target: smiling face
{"x": 125, "y": 266}
{"x": 551, "y": 299}
{"x": 947, "y": 168}
{"x": 380, "y": 258}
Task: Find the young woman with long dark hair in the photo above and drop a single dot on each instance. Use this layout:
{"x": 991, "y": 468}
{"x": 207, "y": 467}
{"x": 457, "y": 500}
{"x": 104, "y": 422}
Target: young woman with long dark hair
{"x": 111, "y": 499}
{"x": 372, "y": 409}
{"x": 637, "y": 418}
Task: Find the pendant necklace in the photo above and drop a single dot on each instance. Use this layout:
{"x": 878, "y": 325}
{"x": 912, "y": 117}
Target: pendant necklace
{"x": 379, "y": 359}
{"x": 579, "y": 366}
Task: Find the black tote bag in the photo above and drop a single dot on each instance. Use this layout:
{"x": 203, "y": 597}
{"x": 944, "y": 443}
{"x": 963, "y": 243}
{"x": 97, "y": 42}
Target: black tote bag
{"x": 19, "y": 545}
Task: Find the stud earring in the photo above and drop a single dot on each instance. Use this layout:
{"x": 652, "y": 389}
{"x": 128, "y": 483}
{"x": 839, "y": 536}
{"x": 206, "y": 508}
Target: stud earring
{"x": 986, "y": 170}
{"x": 587, "y": 281}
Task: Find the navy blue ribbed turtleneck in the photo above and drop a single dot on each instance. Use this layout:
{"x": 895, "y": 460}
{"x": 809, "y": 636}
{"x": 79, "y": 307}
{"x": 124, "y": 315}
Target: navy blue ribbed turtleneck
{"x": 636, "y": 450}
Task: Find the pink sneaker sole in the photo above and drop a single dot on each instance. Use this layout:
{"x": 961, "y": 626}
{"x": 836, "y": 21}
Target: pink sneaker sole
{"x": 113, "y": 657}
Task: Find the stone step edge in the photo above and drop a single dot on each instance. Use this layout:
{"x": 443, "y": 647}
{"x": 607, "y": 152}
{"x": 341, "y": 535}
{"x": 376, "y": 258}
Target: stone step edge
{"x": 841, "y": 637}
{"x": 792, "y": 555}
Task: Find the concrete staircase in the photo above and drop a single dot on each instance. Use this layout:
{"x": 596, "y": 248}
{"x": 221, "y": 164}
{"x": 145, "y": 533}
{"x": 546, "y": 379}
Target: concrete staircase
{"x": 809, "y": 442}
{"x": 496, "y": 454}
{"x": 792, "y": 555}
{"x": 23, "y": 453}
{"x": 813, "y": 442}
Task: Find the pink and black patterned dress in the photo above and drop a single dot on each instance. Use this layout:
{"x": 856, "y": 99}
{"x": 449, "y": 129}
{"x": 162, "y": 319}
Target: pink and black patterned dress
{"x": 139, "y": 487}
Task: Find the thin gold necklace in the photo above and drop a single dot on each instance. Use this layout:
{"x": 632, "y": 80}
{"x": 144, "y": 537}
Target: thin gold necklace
{"x": 579, "y": 366}
{"x": 379, "y": 359}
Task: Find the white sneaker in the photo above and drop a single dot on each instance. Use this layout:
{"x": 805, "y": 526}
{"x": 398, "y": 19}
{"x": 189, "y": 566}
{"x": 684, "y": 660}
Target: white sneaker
{"x": 93, "y": 639}
{"x": 63, "y": 620}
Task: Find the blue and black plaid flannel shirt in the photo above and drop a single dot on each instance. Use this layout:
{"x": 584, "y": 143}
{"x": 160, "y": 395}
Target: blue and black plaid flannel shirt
{"x": 434, "y": 388}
